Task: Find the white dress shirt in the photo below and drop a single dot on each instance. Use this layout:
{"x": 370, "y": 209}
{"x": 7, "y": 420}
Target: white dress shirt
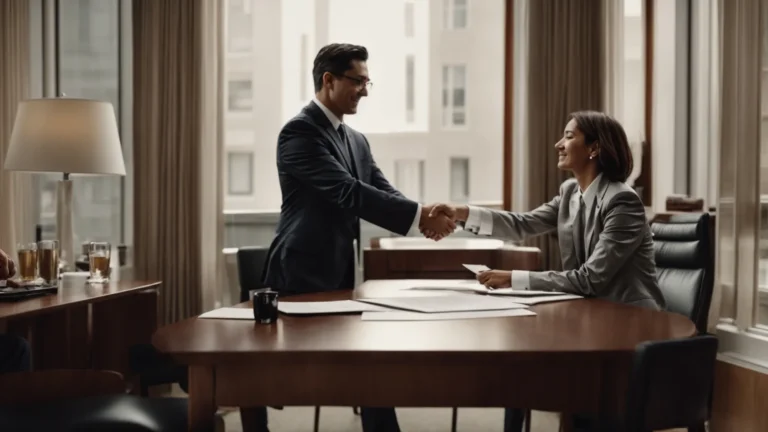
{"x": 336, "y": 122}
{"x": 481, "y": 223}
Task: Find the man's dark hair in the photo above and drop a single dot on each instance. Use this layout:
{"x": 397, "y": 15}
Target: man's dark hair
{"x": 615, "y": 157}
{"x": 336, "y": 59}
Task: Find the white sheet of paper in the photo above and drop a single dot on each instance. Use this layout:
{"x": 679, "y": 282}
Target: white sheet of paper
{"x": 476, "y": 268}
{"x": 477, "y": 287}
{"x": 446, "y": 303}
{"x": 530, "y": 301}
{"x": 327, "y": 307}
{"x": 229, "y": 313}
{"x": 417, "y": 316}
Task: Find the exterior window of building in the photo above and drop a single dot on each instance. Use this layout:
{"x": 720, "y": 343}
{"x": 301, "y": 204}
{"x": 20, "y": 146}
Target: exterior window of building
{"x": 409, "y": 178}
{"x": 240, "y": 95}
{"x": 240, "y": 173}
{"x": 454, "y": 95}
{"x": 455, "y": 14}
{"x": 410, "y": 91}
{"x": 409, "y": 19}
{"x": 460, "y": 179}
{"x": 239, "y": 26}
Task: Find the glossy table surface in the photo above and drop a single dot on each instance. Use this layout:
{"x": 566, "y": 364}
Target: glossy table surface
{"x": 69, "y": 295}
{"x": 577, "y": 326}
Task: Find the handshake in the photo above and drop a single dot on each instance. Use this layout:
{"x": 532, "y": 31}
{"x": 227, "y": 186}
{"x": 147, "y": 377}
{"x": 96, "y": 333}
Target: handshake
{"x": 439, "y": 220}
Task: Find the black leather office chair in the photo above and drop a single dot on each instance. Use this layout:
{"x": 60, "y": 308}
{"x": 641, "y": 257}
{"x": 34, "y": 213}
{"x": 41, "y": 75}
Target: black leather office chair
{"x": 671, "y": 384}
{"x": 88, "y": 400}
{"x": 684, "y": 252}
{"x": 251, "y": 262}
{"x": 250, "y": 269}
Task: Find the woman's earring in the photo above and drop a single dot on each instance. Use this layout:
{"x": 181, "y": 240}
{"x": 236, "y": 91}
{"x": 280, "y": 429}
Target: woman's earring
{"x": 591, "y": 157}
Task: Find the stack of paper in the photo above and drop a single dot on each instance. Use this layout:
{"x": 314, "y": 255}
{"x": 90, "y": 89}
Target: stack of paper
{"x": 447, "y": 303}
{"x": 477, "y": 287}
{"x": 417, "y": 316}
{"x": 297, "y": 308}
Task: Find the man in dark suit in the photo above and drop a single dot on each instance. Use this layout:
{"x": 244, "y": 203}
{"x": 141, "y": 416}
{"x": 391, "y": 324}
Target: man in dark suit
{"x": 14, "y": 351}
{"x": 329, "y": 181}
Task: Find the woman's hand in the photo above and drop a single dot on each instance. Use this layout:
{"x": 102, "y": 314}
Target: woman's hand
{"x": 496, "y": 278}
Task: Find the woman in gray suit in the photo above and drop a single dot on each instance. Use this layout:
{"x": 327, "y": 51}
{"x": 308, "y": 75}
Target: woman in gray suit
{"x": 604, "y": 237}
{"x": 605, "y": 241}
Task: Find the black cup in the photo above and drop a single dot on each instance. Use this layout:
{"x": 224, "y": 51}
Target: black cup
{"x": 265, "y": 306}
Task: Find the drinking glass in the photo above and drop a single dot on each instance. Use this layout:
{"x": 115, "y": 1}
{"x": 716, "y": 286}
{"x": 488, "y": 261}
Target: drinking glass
{"x": 27, "y": 261}
{"x": 98, "y": 257}
{"x": 48, "y": 261}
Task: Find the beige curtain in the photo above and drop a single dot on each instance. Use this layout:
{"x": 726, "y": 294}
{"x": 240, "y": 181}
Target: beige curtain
{"x": 738, "y": 240}
{"x": 564, "y": 75}
{"x": 14, "y": 87}
{"x": 175, "y": 186}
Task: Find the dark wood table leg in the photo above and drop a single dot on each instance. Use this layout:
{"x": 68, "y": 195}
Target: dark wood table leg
{"x": 202, "y": 399}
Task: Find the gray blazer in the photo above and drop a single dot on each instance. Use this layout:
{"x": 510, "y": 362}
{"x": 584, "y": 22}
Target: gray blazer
{"x": 617, "y": 262}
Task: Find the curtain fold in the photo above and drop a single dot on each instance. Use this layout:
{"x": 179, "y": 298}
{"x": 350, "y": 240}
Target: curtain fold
{"x": 15, "y": 188}
{"x": 565, "y": 74}
{"x": 176, "y": 153}
{"x": 212, "y": 265}
{"x": 738, "y": 239}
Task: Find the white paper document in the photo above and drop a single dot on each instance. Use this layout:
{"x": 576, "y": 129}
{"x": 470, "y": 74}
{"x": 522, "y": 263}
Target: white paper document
{"x": 417, "y": 316}
{"x": 530, "y": 301}
{"x": 447, "y": 303}
{"x": 476, "y": 268}
{"x": 477, "y": 287}
{"x": 297, "y": 308}
{"x": 327, "y": 307}
{"x": 229, "y": 313}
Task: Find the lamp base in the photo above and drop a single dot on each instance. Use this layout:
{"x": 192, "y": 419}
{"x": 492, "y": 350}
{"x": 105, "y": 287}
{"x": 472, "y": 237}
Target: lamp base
{"x": 64, "y": 226}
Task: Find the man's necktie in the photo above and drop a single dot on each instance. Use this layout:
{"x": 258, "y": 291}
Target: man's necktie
{"x": 346, "y": 147}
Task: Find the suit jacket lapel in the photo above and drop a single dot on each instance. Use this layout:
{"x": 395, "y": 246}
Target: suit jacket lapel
{"x": 578, "y": 229}
{"x": 326, "y": 128}
{"x": 354, "y": 155}
{"x": 594, "y": 212}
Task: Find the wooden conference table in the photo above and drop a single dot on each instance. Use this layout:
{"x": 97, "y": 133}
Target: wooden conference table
{"x": 85, "y": 326}
{"x": 573, "y": 356}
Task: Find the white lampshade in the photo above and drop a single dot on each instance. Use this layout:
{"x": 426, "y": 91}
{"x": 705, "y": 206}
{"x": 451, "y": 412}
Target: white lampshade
{"x": 63, "y": 135}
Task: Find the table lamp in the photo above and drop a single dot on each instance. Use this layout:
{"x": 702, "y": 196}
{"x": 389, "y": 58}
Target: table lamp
{"x": 69, "y": 136}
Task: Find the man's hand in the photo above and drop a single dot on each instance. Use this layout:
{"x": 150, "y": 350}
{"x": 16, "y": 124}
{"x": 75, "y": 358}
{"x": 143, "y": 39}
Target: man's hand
{"x": 495, "y": 278}
{"x": 7, "y": 266}
{"x": 435, "y": 227}
{"x": 457, "y": 213}
{"x": 454, "y": 213}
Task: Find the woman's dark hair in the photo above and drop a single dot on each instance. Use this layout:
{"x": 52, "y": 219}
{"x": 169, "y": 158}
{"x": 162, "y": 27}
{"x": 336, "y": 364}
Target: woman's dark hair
{"x": 614, "y": 158}
{"x": 336, "y": 58}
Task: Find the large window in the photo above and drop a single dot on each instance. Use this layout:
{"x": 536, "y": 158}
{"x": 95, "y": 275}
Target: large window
{"x": 426, "y": 105}
{"x": 88, "y": 66}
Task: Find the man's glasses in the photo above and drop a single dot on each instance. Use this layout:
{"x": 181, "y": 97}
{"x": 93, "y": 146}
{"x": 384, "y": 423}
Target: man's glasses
{"x": 361, "y": 82}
